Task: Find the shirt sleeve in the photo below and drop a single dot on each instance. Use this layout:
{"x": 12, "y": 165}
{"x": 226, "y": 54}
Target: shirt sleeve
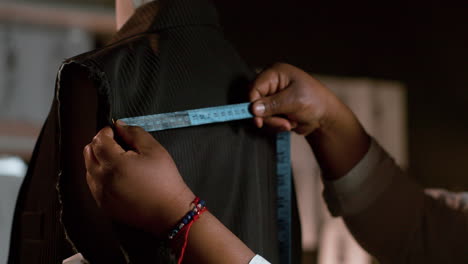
{"x": 258, "y": 260}
{"x": 395, "y": 219}
{"x": 358, "y": 189}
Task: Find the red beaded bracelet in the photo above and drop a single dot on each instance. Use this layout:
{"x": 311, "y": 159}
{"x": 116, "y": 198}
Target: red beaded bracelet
{"x": 178, "y": 236}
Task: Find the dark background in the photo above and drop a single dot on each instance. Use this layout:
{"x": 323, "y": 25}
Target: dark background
{"x": 422, "y": 44}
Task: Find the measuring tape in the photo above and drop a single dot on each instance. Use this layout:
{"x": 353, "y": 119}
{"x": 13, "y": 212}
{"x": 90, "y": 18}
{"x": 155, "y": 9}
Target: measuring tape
{"x": 225, "y": 113}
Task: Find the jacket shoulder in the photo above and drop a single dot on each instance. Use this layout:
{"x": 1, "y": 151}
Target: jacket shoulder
{"x": 113, "y": 52}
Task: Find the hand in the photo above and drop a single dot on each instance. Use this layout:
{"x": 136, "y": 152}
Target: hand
{"x": 286, "y": 98}
{"x": 141, "y": 187}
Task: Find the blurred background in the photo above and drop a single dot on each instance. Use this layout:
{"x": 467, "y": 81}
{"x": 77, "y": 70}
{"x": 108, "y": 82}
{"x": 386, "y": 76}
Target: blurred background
{"x": 402, "y": 66}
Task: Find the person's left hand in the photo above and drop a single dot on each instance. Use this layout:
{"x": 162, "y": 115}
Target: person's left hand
{"x": 141, "y": 187}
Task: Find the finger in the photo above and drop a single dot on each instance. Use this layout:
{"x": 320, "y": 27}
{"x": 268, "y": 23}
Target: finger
{"x": 280, "y": 103}
{"x": 278, "y": 123}
{"x": 270, "y": 81}
{"x": 91, "y": 183}
{"x": 91, "y": 163}
{"x": 92, "y": 166}
{"x": 105, "y": 148}
{"x": 261, "y": 85}
{"x": 136, "y": 137}
{"x": 258, "y": 121}
{"x": 93, "y": 187}
{"x": 267, "y": 83}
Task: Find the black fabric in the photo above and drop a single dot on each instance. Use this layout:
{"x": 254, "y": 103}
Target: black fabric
{"x": 36, "y": 234}
{"x": 170, "y": 56}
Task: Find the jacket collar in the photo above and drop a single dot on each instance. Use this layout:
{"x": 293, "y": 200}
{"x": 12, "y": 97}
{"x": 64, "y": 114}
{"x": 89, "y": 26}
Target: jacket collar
{"x": 161, "y": 15}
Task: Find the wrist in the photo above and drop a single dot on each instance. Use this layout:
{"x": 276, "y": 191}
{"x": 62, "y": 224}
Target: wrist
{"x": 172, "y": 211}
{"x": 340, "y": 142}
{"x": 333, "y": 114}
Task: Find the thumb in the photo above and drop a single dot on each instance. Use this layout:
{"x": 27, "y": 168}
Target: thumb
{"x": 135, "y": 138}
{"x": 280, "y": 103}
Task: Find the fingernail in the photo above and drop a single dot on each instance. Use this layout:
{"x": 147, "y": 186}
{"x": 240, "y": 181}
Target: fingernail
{"x": 121, "y": 123}
{"x": 259, "y": 109}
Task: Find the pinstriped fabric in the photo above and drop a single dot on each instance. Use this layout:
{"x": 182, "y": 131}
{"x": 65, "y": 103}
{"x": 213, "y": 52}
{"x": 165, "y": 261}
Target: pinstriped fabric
{"x": 36, "y": 214}
{"x": 172, "y": 56}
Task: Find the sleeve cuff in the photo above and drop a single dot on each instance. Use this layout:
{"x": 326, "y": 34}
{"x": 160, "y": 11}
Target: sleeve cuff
{"x": 258, "y": 260}
{"x": 358, "y": 189}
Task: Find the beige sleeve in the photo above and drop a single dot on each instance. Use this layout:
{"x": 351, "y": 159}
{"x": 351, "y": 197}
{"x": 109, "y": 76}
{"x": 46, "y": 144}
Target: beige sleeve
{"x": 395, "y": 219}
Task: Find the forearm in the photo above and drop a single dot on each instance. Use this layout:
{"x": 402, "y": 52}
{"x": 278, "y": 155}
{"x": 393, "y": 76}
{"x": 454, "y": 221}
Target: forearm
{"x": 210, "y": 241}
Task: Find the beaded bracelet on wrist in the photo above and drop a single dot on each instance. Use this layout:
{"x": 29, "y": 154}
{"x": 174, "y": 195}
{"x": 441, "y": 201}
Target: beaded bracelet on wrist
{"x": 191, "y": 216}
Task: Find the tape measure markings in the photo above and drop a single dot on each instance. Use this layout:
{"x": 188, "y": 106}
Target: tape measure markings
{"x": 225, "y": 113}
{"x": 195, "y": 117}
{"x": 283, "y": 175}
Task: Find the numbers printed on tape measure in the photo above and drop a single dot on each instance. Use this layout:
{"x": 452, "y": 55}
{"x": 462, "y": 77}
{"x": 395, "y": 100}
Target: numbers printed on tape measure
{"x": 193, "y": 117}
